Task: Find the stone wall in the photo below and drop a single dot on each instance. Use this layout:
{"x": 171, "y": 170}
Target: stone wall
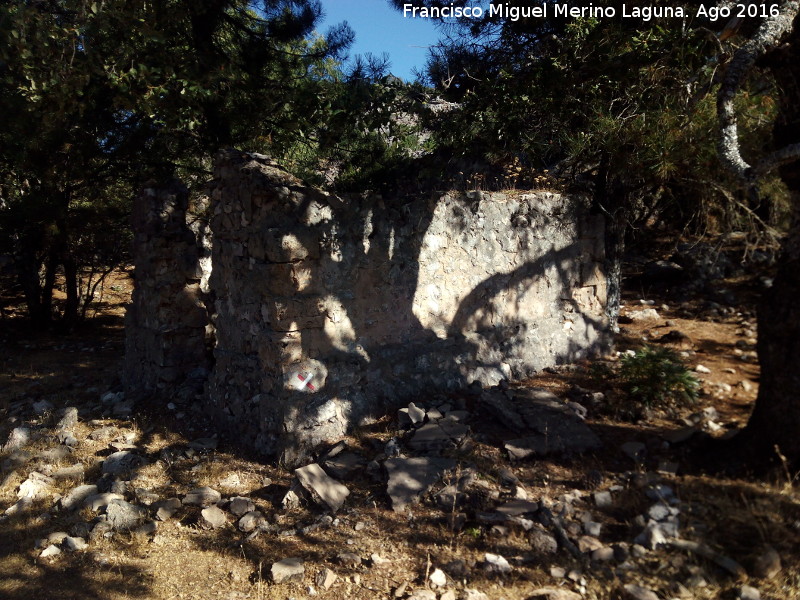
{"x": 166, "y": 324}
{"x": 378, "y": 302}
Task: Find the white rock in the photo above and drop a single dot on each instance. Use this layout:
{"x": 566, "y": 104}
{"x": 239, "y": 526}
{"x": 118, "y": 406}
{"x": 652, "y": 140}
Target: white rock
{"x": 494, "y": 563}
{"x": 51, "y": 550}
{"x": 438, "y": 578}
{"x": 326, "y": 578}
{"x": 702, "y": 369}
{"x": 288, "y": 569}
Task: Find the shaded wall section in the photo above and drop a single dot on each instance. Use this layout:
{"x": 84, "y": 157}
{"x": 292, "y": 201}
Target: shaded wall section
{"x": 166, "y": 324}
{"x": 330, "y": 310}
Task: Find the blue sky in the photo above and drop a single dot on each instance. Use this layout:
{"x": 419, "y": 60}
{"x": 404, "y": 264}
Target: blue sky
{"x": 380, "y": 28}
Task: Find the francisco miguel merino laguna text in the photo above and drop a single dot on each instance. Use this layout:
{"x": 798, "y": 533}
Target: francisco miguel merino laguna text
{"x": 545, "y": 10}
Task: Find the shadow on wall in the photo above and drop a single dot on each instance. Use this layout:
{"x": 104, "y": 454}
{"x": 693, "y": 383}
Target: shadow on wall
{"x": 328, "y": 311}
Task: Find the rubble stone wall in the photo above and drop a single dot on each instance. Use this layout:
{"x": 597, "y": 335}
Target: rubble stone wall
{"x": 166, "y": 324}
{"x": 330, "y": 310}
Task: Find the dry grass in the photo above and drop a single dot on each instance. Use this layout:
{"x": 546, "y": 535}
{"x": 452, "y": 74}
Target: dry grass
{"x": 736, "y": 517}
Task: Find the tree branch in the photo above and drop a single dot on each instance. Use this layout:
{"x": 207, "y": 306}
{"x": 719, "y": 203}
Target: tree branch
{"x": 768, "y": 35}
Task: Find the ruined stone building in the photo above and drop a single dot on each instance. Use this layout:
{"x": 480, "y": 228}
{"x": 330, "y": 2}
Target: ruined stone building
{"x": 322, "y": 312}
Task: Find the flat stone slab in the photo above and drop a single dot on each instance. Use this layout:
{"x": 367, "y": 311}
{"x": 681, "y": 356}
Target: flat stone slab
{"x": 345, "y": 465}
{"x": 411, "y": 477}
{"x": 547, "y": 424}
{"x": 323, "y": 488}
{"x": 122, "y": 462}
{"x": 202, "y": 496}
{"x": 439, "y": 435}
{"x": 288, "y": 569}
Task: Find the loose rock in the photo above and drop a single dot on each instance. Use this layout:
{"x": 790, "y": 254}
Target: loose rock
{"x": 212, "y": 517}
{"x": 323, "y": 488}
{"x": 202, "y": 496}
{"x": 496, "y": 564}
{"x": 288, "y": 569}
{"x": 123, "y": 516}
{"x": 326, "y": 578}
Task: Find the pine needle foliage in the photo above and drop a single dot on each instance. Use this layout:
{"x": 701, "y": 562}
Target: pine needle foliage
{"x": 658, "y": 377}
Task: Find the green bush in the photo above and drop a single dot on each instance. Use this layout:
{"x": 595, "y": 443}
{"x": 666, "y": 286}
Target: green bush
{"x": 658, "y": 377}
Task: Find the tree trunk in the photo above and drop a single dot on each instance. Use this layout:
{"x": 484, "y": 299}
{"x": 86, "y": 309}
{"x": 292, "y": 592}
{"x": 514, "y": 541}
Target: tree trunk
{"x": 775, "y": 423}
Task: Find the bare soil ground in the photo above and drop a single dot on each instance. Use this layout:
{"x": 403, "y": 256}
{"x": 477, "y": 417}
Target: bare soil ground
{"x": 738, "y": 518}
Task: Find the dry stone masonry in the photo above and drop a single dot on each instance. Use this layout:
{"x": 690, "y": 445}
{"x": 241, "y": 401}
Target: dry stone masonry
{"x": 166, "y": 323}
{"x": 328, "y": 310}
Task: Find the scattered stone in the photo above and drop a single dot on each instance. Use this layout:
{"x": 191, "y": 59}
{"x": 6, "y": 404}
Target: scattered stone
{"x": 588, "y": 543}
{"x": 542, "y": 541}
{"x": 349, "y": 559}
{"x": 603, "y": 554}
{"x": 239, "y": 506}
{"x": 166, "y": 509}
{"x": 68, "y": 419}
{"x": 496, "y": 564}
{"x": 411, "y": 477}
{"x": 147, "y": 529}
{"x": 648, "y": 314}
{"x": 592, "y": 528}
{"x": 123, "y": 516}
{"x": 747, "y": 592}
{"x": 702, "y": 369}
{"x": 20, "y": 506}
{"x": 326, "y": 578}
{"x": 415, "y": 414}
{"x": 438, "y": 578}
{"x": 51, "y": 550}
{"x": 36, "y": 486}
{"x": 55, "y": 537}
{"x": 323, "y": 488}
{"x": 288, "y": 569}
{"x": 251, "y": 521}
{"x": 202, "y": 496}
{"x": 212, "y": 517}
{"x": 768, "y": 564}
{"x": 603, "y": 499}
{"x": 345, "y": 465}
{"x": 121, "y": 463}
{"x": 448, "y": 595}
{"x": 77, "y": 496}
{"x": 97, "y": 502}
{"x": 653, "y": 536}
{"x": 18, "y": 438}
{"x": 636, "y": 592}
{"x": 433, "y": 437}
{"x": 551, "y": 593}
{"x": 74, "y": 544}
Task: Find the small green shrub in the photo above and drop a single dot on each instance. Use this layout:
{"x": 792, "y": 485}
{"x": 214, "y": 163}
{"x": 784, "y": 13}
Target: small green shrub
{"x": 658, "y": 377}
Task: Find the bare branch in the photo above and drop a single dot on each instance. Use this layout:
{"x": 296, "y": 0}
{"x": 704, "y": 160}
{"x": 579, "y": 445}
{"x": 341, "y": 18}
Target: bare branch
{"x": 778, "y": 158}
{"x": 768, "y": 35}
